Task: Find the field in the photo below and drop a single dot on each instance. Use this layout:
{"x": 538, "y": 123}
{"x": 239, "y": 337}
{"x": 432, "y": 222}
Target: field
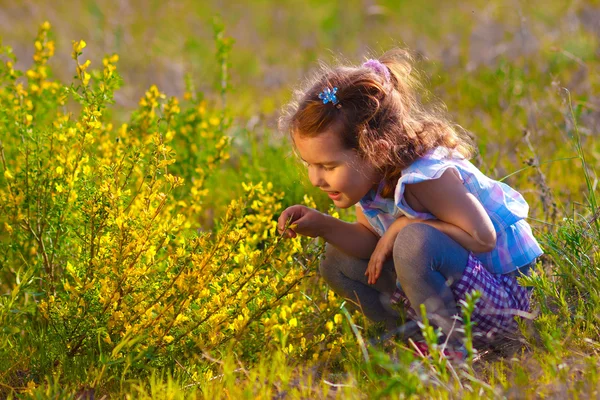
{"x": 139, "y": 193}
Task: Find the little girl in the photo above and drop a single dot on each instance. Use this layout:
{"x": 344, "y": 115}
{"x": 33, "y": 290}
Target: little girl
{"x": 430, "y": 227}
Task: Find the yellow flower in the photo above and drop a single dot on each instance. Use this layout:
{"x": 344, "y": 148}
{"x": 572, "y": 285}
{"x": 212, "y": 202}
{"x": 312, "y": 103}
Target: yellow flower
{"x": 31, "y": 74}
{"x": 329, "y": 326}
{"x": 8, "y": 176}
{"x": 293, "y": 322}
{"x": 107, "y": 339}
{"x": 50, "y": 47}
{"x": 168, "y": 339}
{"x": 337, "y": 318}
{"x": 81, "y": 68}
{"x": 30, "y": 387}
{"x": 77, "y": 47}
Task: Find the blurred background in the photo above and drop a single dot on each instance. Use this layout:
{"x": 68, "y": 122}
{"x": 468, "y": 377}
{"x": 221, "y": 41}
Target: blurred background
{"x": 277, "y": 42}
{"x": 505, "y": 69}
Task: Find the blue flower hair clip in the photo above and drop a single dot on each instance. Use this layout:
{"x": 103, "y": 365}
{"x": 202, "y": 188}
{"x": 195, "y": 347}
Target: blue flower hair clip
{"x": 328, "y": 95}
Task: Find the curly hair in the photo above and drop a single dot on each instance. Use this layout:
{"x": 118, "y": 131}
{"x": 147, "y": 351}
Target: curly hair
{"x": 381, "y": 117}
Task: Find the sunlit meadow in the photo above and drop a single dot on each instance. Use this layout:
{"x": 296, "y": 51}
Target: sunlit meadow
{"x": 141, "y": 175}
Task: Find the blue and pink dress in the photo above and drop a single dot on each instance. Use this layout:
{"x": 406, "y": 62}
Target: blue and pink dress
{"x": 489, "y": 273}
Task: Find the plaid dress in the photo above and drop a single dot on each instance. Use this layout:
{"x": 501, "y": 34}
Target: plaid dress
{"x": 502, "y": 297}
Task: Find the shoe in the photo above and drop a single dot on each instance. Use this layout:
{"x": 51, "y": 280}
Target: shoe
{"x": 454, "y": 354}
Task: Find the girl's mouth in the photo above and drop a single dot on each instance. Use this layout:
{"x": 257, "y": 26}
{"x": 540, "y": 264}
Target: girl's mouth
{"x": 334, "y": 195}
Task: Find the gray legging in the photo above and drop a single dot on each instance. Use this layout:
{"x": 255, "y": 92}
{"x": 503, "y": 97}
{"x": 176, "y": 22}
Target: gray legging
{"x": 425, "y": 261}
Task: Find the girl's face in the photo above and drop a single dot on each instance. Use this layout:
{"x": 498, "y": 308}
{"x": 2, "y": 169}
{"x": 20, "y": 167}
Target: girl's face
{"x": 338, "y": 171}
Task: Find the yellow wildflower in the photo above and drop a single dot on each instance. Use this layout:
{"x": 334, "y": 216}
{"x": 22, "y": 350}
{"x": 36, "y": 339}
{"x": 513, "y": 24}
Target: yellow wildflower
{"x": 329, "y": 326}
{"x": 81, "y": 68}
{"x": 107, "y": 339}
{"x": 31, "y": 386}
{"x": 337, "y": 318}
{"x": 77, "y": 47}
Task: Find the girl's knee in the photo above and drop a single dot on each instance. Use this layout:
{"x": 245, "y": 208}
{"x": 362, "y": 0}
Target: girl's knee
{"x": 420, "y": 248}
{"x": 414, "y": 242}
{"x": 337, "y": 267}
{"x": 329, "y": 266}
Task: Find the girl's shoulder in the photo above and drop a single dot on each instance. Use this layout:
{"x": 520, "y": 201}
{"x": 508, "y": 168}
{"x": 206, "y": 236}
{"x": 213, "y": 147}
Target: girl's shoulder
{"x": 433, "y": 163}
{"x": 436, "y": 156}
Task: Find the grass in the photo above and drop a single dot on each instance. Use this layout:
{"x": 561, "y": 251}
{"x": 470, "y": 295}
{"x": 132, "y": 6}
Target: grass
{"x": 532, "y": 103}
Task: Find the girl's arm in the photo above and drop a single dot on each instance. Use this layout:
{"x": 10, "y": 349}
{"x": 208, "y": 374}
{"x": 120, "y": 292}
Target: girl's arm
{"x": 461, "y": 237}
{"x": 356, "y": 239}
{"x": 459, "y": 214}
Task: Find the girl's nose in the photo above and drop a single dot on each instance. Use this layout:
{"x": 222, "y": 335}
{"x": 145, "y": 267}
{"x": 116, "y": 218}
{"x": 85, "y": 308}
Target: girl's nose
{"x": 316, "y": 177}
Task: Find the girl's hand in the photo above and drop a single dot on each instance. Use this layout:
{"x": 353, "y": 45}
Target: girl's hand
{"x": 382, "y": 252}
{"x": 385, "y": 248}
{"x": 303, "y": 221}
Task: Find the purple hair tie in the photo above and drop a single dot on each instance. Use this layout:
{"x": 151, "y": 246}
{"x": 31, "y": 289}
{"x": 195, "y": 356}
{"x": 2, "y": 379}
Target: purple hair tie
{"x": 378, "y": 67}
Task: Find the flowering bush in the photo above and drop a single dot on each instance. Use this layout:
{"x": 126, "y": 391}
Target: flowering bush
{"x": 101, "y": 241}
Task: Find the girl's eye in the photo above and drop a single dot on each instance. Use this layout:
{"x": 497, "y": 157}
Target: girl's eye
{"x": 307, "y": 165}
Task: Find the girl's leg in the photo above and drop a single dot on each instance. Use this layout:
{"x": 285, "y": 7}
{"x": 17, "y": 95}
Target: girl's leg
{"x": 427, "y": 261}
{"x": 346, "y": 276}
